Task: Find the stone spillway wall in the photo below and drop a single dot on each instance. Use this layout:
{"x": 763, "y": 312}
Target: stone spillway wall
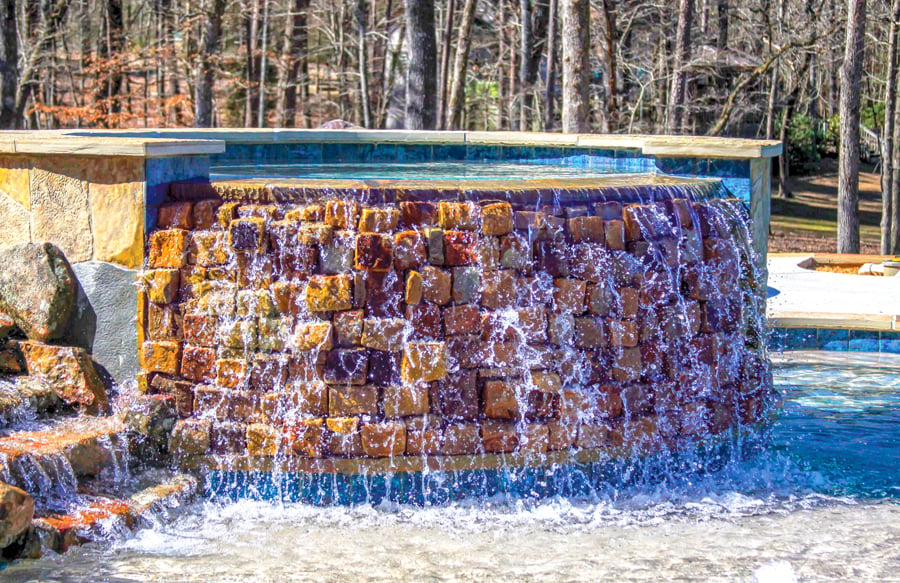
{"x": 310, "y": 324}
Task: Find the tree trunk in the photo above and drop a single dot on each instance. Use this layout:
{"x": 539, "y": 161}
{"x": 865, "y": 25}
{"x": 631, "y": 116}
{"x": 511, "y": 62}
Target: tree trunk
{"x": 848, "y": 175}
{"x": 576, "y": 42}
{"x": 446, "y": 50}
{"x": 206, "y": 71}
{"x": 460, "y": 68}
{"x": 550, "y": 89}
{"x": 678, "y": 92}
{"x": 362, "y": 13}
{"x": 887, "y": 151}
{"x": 421, "y": 78}
{"x": 295, "y": 63}
{"x": 9, "y": 65}
{"x": 612, "y": 39}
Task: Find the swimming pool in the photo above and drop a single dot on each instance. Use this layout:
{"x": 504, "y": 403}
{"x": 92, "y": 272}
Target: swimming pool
{"x": 820, "y": 502}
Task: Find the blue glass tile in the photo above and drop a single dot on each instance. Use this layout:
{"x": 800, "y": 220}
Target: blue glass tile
{"x": 889, "y": 343}
{"x": 331, "y": 153}
{"x": 722, "y": 168}
{"x": 411, "y": 153}
{"x": 382, "y": 153}
{"x": 678, "y": 166}
{"x": 836, "y": 345}
{"x": 479, "y": 153}
{"x": 304, "y": 153}
{"x": 449, "y": 153}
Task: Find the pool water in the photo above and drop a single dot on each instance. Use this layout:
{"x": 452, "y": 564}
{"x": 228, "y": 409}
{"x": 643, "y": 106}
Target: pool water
{"x": 407, "y": 171}
{"x": 819, "y": 503}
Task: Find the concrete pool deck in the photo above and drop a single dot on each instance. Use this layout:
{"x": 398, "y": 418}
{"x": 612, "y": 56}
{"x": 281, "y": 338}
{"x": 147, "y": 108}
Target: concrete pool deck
{"x": 804, "y": 298}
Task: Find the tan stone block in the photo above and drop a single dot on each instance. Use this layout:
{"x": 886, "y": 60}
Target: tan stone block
{"x": 60, "y": 208}
{"x": 342, "y": 214}
{"x": 623, "y": 333}
{"x": 497, "y": 218}
{"x": 387, "y": 334}
{"x": 595, "y": 436}
{"x": 501, "y": 354}
{"x": 14, "y": 180}
{"x": 342, "y": 425}
{"x": 378, "y": 220}
{"x": 436, "y": 285}
{"x": 273, "y": 334}
{"x": 423, "y": 362}
{"x": 241, "y": 335}
{"x": 164, "y": 357}
{"x": 208, "y": 248}
{"x": 313, "y": 336}
{"x": 466, "y": 284}
{"x": 190, "y": 437}
{"x": 16, "y": 224}
{"x": 384, "y": 439}
{"x": 459, "y": 216}
{"x": 163, "y": 323}
{"x": 305, "y": 399}
{"x": 589, "y": 333}
{"x": 312, "y": 213}
{"x": 168, "y": 248}
{"x": 250, "y": 303}
{"x": 405, "y": 400}
{"x": 350, "y": 400}
{"x": 70, "y": 372}
{"x": 460, "y": 248}
{"x": 487, "y": 253}
{"x": 410, "y": 250}
{"x": 227, "y": 212}
{"x": 414, "y": 288}
{"x": 117, "y": 214}
{"x": 230, "y": 372}
{"x": 315, "y": 234}
{"x": 162, "y": 285}
{"x": 546, "y": 382}
{"x": 328, "y": 293}
{"x": 262, "y": 440}
{"x": 516, "y": 252}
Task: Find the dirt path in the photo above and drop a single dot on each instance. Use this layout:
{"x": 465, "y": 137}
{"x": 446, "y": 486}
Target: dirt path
{"x": 808, "y": 221}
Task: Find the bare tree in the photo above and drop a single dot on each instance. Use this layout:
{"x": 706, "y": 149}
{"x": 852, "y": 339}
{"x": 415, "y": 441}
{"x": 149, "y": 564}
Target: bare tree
{"x": 848, "y": 175}
{"x": 575, "y": 65}
{"x": 209, "y": 47}
{"x": 421, "y": 77}
{"x": 9, "y": 65}
{"x": 887, "y": 151}
{"x": 678, "y": 92}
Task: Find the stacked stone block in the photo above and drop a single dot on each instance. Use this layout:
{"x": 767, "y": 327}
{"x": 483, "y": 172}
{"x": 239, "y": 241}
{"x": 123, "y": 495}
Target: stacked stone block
{"x": 337, "y": 328}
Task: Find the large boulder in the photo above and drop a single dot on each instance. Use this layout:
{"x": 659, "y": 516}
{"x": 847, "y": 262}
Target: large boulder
{"x": 71, "y": 373}
{"x": 37, "y": 289}
{"x": 16, "y": 513}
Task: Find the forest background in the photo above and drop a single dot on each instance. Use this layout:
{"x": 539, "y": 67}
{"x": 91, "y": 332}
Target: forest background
{"x": 819, "y": 75}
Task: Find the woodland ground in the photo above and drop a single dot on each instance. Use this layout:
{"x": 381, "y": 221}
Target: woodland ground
{"x": 808, "y": 221}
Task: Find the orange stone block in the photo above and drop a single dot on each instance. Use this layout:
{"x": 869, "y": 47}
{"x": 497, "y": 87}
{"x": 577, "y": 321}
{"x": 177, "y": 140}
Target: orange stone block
{"x": 423, "y": 362}
{"x": 205, "y": 213}
{"x": 168, "y": 248}
{"x": 198, "y": 363}
{"x": 459, "y": 216}
{"x": 423, "y": 441}
{"x": 375, "y": 220}
{"x": 501, "y": 400}
{"x": 262, "y": 440}
{"x": 569, "y": 295}
{"x": 384, "y": 439}
{"x": 462, "y": 439}
{"x": 164, "y": 357}
{"x": 350, "y": 400}
{"x": 497, "y": 218}
{"x": 499, "y": 436}
{"x": 405, "y": 400}
{"x": 305, "y": 438}
{"x": 230, "y": 372}
{"x": 410, "y": 250}
{"x": 342, "y": 214}
{"x": 176, "y": 215}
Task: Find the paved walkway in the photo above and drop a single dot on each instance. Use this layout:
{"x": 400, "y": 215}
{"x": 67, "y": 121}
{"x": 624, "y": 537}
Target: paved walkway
{"x": 803, "y": 298}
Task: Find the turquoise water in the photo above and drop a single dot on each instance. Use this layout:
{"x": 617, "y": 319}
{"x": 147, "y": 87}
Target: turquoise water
{"x": 407, "y": 171}
{"x": 816, "y": 500}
